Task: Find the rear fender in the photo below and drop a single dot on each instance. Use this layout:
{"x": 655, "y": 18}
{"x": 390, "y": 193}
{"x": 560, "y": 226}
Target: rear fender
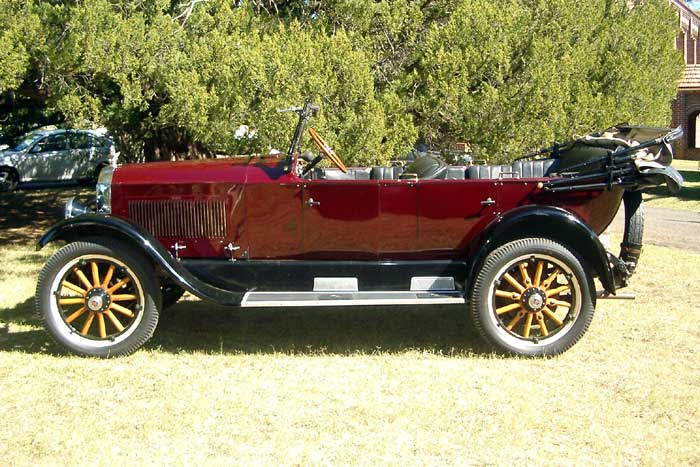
{"x": 107, "y": 226}
{"x": 548, "y": 222}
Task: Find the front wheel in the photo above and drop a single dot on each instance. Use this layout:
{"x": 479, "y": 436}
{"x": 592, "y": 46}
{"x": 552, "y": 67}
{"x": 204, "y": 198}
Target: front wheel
{"x": 98, "y": 299}
{"x": 8, "y": 179}
{"x": 532, "y": 297}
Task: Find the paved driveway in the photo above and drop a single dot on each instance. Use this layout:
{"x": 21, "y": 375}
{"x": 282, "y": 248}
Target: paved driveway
{"x": 666, "y": 227}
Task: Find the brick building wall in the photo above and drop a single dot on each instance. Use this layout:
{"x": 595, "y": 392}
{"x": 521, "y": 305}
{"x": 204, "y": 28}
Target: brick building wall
{"x": 686, "y": 109}
{"x": 686, "y": 105}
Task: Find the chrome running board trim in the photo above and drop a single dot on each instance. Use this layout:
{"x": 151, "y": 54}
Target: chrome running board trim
{"x": 287, "y": 299}
{"x": 432, "y": 283}
{"x": 335, "y": 284}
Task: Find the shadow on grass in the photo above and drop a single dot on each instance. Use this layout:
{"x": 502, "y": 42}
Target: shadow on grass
{"x": 689, "y": 193}
{"x": 27, "y": 213}
{"x": 203, "y": 327}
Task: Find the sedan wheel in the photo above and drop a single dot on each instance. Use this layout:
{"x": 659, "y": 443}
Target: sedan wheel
{"x": 8, "y": 180}
{"x": 532, "y": 297}
{"x": 98, "y": 300}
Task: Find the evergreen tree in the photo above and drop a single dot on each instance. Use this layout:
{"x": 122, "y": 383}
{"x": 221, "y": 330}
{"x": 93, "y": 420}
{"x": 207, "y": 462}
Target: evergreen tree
{"x": 177, "y": 80}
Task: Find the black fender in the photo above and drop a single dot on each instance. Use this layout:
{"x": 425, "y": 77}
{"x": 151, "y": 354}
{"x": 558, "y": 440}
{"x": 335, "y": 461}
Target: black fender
{"x": 549, "y": 222}
{"x": 108, "y": 226}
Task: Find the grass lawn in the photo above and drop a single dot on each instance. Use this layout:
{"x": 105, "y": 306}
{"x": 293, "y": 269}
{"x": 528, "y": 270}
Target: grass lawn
{"x": 689, "y": 196}
{"x": 342, "y": 386}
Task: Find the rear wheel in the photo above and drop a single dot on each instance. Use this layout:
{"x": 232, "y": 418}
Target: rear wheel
{"x": 98, "y": 299}
{"x": 8, "y": 179}
{"x": 532, "y": 297}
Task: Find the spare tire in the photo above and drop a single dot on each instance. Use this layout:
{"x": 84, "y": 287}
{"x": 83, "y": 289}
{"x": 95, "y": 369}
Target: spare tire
{"x": 631, "y": 246}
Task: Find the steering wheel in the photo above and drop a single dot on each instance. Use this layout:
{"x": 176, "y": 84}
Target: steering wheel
{"x": 326, "y": 151}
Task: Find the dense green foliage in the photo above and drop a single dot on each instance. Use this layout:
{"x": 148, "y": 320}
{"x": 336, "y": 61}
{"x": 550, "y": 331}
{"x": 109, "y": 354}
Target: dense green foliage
{"x": 170, "y": 79}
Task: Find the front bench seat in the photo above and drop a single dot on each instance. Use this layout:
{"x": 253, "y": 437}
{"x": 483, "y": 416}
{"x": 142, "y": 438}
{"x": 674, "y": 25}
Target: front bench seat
{"x": 354, "y": 173}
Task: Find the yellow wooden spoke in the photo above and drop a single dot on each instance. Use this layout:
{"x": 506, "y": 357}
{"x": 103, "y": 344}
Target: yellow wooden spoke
{"x": 86, "y": 326}
{"x": 548, "y": 281}
{"x": 75, "y": 314}
{"x": 122, "y": 297}
{"x": 114, "y": 320}
{"x": 101, "y": 325}
{"x": 506, "y": 294}
{"x": 118, "y": 285}
{"x": 528, "y": 325}
{"x": 515, "y": 320}
{"x": 122, "y": 310}
{"x": 543, "y": 327}
{"x": 95, "y": 274}
{"x": 82, "y": 278}
{"x": 525, "y": 275}
{"x": 516, "y": 285}
{"x": 108, "y": 276}
{"x": 71, "y": 286}
{"x": 551, "y": 315}
{"x": 558, "y": 290}
{"x": 559, "y": 303}
{"x": 538, "y": 273}
{"x": 71, "y": 301}
{"x": 507, "y": 308}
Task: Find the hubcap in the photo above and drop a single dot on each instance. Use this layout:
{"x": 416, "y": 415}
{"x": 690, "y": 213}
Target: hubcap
{"x": 534, "y": 299}
{"x": 98, "y": 299}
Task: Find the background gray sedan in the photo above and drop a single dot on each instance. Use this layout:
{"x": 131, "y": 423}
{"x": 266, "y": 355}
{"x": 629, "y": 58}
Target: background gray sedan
{"x": 55, "y": 155}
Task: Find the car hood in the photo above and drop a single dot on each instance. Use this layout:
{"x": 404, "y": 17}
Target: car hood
{"x": 233, "y": 169}
{"x": 9, "y": 157}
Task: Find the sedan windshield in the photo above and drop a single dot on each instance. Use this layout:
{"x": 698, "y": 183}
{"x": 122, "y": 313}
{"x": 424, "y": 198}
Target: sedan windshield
{"x": 25, "y": 142}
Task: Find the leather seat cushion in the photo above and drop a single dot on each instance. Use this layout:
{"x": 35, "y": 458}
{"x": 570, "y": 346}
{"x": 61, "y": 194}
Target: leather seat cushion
{"x": 386, "y": 173}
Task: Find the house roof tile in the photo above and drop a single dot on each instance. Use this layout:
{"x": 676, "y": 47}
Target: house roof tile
{"x": 691, "y": 77}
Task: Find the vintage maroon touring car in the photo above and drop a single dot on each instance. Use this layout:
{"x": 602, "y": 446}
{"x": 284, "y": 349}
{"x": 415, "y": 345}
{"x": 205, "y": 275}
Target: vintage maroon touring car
{"x": 516, "y": 244}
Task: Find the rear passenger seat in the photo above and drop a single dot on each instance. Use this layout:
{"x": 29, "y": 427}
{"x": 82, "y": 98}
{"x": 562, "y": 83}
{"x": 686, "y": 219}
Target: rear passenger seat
{"x": 519, "y": 169}
{"x": 386, "y": 173}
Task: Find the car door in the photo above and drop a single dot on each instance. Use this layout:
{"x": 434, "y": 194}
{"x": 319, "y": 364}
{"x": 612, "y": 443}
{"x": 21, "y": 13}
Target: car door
{"x": 82, "y": 153}
{"x": 451, "y": 213}
{"x": 398, "y": 220}
{"x": 48, "y": 159}
{"x": 341, "y": 219}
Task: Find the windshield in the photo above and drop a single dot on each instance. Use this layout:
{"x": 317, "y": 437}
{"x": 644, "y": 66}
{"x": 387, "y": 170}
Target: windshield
{"x": 25, "y": 142}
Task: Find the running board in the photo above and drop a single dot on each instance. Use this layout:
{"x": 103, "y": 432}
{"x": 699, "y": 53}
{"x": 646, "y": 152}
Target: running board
{"x": 272, "y": 299}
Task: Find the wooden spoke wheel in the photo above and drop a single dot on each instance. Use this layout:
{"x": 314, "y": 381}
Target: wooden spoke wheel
{"x": 532, "y": 297}
{"x": 98, "y": 300}
{"x": 99, "y": 297}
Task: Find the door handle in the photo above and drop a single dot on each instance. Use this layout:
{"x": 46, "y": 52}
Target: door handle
{"x": 488, "y": 202}
{"x": 311, "y": 202}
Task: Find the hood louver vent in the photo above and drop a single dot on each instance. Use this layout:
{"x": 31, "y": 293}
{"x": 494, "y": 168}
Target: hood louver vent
{"x": 180, "y": 218}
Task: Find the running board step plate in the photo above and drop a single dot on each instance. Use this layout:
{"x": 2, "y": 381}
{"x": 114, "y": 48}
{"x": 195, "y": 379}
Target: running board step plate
{"x": 286, "y": 299}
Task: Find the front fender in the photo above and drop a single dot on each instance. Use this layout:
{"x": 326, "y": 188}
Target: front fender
{"x": 108, "y": 226}
{"x": 548, "y": 222}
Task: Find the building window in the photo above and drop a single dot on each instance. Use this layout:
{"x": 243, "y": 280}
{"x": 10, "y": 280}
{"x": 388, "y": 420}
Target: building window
{"x": 680, "y": 45}
{"x": 694, "y": 130}
{"x": 690, "y": 51}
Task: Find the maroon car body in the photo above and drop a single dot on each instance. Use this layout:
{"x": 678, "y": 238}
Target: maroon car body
{"x": 263, "y": 209}
{"x": 518, "y": 244}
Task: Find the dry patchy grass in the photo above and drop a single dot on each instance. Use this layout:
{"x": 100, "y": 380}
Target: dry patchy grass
{"x": 371, "y": 386}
